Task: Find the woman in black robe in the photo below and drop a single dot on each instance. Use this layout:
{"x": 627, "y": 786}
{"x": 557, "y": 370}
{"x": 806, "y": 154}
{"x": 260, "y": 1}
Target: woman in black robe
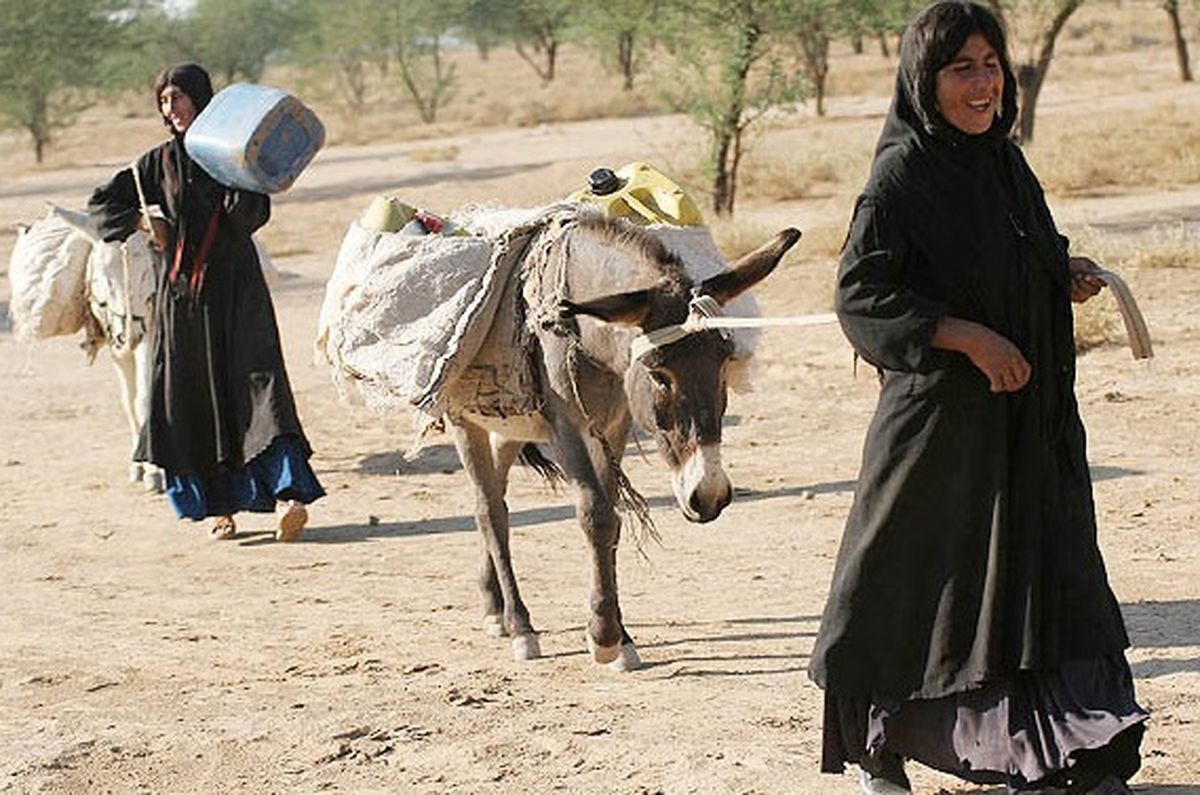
{"x": 222, "y": 421}
{"x": 969, "y": 625}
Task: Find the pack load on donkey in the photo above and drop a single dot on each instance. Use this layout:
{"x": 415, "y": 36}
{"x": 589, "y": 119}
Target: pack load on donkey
{"x": 404, "y": 315}
{"x": 540, "y": 327}
{"x": 47, "y": 271}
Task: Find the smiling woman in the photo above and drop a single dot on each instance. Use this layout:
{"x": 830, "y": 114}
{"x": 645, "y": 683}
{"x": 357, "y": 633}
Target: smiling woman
{"x": 970, "y": 625}
{"x": 969, "y": 88}
{"x": 177, "y": 108}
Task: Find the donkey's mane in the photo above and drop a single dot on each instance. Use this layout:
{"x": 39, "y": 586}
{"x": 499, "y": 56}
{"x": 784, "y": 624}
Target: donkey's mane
{"x": 648, "y": 247}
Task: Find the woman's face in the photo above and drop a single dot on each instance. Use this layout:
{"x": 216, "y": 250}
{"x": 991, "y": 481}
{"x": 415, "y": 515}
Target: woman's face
{"x": 177, "y": 108}
{"x": 971, "y": 86}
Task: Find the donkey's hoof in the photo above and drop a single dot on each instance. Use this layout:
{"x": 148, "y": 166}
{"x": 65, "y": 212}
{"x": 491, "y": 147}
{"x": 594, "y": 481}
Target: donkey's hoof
{"x": 603, "y": 654}
{"x": 621, "y": 657}
{"x": 627, "y": 659}
{"x": 135, "y": 472}
{"x": 493, "y": 624}
{"x": 153, "y": 480}
{"x": 526, "y": 647}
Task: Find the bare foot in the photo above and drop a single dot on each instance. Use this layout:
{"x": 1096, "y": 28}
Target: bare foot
{"x": 292, "y": 522}
{"x": 223, "y": 529}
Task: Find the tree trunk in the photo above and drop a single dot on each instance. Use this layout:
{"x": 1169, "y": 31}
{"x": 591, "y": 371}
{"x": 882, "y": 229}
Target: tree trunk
{"x": 625, "y": 57}
{"x": 543, "y": 66}
{"x": 1030, "y": 76}
{"x": 722, "y": 189}
{"x": 1181, "y": 50}
{"x": 884, "y": 50}
{"x": 551, "y": 59}
{"x": 38, "y": 124}
{"x": 352, "y": 76}
{"x": 814, "y": 48}
{"x": 728, "y": 131}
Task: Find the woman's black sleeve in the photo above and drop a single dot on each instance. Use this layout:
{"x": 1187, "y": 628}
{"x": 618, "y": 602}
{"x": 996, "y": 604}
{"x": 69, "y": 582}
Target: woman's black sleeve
{"x": 114, "y": 207}
{"x": 889, "y": 324}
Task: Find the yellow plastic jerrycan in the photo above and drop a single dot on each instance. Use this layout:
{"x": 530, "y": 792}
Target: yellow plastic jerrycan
{"x": 641, "y": 193}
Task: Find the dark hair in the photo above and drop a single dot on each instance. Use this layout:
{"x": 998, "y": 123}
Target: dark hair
{"x": 189, "y": 78}
{"x": 931, "y": 41}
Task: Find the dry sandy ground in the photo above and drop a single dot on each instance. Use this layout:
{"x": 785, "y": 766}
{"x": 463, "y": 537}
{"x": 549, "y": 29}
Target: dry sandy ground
{"x": 138, "y": 656}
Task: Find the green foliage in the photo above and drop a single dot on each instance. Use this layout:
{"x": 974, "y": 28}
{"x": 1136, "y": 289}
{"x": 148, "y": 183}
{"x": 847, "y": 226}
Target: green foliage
{"x": 728, "y": 73}
{"x": 419, "y": 29}
{"x": 401, "y": 37}
{"x": 621, "y": 32}
{"x": 865, "y": 18}
{"x": 234, "y": 39}
{"x": 142, "y": 46}
{"x": 536, "y": 28}
{"x": 341, "y": 41}
{"x": 51, "y": 61}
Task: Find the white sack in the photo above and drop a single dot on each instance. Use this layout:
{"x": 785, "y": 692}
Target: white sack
{"x": 47, "y": 272}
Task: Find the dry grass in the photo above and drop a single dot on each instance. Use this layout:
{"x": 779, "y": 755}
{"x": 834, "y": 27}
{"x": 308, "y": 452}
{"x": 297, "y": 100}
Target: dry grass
{"x": 1097, "y": 322}
{"x": 1166, "y": 245}
{"x": 1096, "y": 325}
{"x": 1157, "y": 144}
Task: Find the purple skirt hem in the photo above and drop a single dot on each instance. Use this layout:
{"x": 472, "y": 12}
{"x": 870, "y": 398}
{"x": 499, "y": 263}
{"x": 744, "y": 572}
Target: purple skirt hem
{"x": 1019, "y": 731}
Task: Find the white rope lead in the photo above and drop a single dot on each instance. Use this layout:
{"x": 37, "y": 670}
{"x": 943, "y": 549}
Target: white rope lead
{"x": 704, "y": 312}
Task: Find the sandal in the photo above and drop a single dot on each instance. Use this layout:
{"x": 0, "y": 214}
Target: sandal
{"x": 223, "y": 529}
{"x": 292, "y": 522}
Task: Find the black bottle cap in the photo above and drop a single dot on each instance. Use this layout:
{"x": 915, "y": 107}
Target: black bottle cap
{"x": 603, "y": 181}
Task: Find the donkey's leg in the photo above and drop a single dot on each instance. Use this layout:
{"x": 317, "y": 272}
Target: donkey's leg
{"x": 504, "y": 453}
{"x": 491, "y": 517}
{"x": 617, "y": 436}
{"x": 602, "y": 527}
{"x": 153, "y": 478}
{"x": 127, "y": 377}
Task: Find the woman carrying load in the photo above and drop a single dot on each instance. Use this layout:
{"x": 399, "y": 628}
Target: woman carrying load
{"x": 222, "y": 420}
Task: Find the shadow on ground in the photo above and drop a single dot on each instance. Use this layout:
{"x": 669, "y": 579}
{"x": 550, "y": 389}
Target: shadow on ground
{"x": 1163, "y": 625}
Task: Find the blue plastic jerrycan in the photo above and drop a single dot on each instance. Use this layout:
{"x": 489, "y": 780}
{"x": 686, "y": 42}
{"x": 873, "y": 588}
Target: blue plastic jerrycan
{"x": 254, "y": 137}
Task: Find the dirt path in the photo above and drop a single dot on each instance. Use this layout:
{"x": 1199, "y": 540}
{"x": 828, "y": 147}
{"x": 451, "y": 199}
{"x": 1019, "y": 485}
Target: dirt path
{"x": 137, "y": 656}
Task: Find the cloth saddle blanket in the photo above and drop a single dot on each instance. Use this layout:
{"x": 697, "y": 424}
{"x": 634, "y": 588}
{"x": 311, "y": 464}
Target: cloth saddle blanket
{"x": 409, "y": 319}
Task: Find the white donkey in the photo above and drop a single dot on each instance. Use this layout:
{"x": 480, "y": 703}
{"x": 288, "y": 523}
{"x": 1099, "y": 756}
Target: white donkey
{"x": 119, "y": 289}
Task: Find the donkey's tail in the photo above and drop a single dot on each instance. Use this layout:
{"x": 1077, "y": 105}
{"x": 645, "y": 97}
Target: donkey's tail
{"x": 532, "y": 456}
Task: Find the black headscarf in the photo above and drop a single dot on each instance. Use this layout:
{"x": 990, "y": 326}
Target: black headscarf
{"x": 943, "y": 172}
{"x": 931, "y": 41}
{"x": 189, "y": 78}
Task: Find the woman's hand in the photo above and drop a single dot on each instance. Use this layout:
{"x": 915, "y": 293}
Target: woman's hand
{"x": 1085, "y": 279}
{"x": 159, "y": 232}
{"x": 995, "y": 356}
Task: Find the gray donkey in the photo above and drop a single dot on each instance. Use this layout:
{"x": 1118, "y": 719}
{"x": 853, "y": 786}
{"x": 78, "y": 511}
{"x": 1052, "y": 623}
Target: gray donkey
{"x": 589, "y": 288}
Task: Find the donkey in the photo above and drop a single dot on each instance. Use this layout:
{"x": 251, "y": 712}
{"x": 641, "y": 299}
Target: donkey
{"x": 119, "y": 289}
{"x": 120, "y": 293}
{"x": 582, "y": 318}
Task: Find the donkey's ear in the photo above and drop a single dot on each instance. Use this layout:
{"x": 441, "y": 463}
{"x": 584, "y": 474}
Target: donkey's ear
{"x": 750, "y": 269}
{"x": 79, "y": 221}
{"x": 628, "y": 309}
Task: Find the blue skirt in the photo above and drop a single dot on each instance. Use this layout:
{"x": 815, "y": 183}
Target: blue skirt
{"x": 281, "y": 472}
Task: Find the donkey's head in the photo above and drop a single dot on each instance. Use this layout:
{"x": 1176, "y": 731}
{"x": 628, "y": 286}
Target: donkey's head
{"x": 676, "y": 383}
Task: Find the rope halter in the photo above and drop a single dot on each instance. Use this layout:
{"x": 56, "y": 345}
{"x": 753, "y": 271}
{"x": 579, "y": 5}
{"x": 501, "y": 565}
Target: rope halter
{"x": 705, "y": 312}
{"x": 701, "y": 310}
